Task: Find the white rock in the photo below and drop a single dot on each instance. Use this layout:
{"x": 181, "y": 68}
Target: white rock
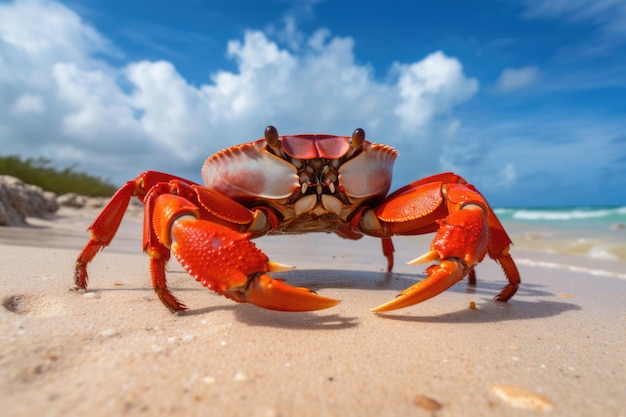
{"x": 19, "y": 200}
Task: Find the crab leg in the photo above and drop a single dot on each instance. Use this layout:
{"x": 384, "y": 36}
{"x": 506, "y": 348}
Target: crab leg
{"x": 103, "y": 229}
{"x": 226, "y": 261}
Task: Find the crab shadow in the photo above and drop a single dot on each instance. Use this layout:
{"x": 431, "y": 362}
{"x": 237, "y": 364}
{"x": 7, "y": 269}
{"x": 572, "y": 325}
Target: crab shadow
{"x": 529, "y": 303}
{"x": 492, "y": 311}
{"x": 257, "y": 316}
{"x": 319, "y": 280}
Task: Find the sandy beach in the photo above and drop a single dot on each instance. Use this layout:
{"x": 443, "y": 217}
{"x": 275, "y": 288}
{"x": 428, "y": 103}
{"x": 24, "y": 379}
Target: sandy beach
{"x": 557, "y": 348}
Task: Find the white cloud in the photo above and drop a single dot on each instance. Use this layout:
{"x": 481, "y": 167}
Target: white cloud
{"x": 94, "y": 106}
{"x": 171, "y": 112}
{"x": 512, "y": 79}
{"x": 509, "y": 174}
{"x": 28, "y": 104}
{"x": 609, "y": 15}
{"x": 430, "y": 87}
{"x": 41, "y": 32}
{"x": 118, "y": 121}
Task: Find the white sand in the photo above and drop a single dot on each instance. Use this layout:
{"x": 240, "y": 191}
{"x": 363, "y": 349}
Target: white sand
{"x": 559, "y": 344}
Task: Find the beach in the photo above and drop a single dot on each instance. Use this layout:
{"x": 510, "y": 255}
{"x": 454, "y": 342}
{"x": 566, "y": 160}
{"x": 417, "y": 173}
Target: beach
{"x": 557, "y": 348}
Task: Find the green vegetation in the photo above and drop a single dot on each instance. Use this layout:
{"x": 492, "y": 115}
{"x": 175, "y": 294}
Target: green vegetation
{"x": 39, "y": 172}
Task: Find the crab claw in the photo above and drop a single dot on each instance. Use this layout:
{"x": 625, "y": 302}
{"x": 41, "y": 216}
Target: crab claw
{"x": 273, "y": 294}
{"x": 227, "y": 262}
{"x": 459, "y": 244}
{"x": 440, "y": 278}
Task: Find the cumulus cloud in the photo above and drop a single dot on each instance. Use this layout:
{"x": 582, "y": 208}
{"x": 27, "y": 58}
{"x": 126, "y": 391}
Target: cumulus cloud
{"x": 28, "y": 104}
{"x": 430, "y": 87}
{"x": 71, "y": 103}
{"x": 516, "y": 78}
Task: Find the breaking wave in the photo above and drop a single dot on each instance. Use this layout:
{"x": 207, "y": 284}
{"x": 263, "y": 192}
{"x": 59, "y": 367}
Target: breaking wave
{"x": 609, "y": 214}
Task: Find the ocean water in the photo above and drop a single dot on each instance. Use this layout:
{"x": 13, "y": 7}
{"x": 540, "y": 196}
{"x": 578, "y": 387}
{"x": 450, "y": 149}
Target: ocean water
{"x": 595, "y": 232}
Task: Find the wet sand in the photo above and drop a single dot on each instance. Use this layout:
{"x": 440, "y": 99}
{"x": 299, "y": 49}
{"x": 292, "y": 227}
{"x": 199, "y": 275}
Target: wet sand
{"x": 558, "y": 347}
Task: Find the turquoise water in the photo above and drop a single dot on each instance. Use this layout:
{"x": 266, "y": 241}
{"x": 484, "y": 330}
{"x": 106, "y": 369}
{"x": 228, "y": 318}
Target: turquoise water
{"x": 596, "y": 232}
{"x": 575, "y": 216}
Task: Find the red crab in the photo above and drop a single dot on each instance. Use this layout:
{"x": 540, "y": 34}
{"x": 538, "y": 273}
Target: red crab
{"x": 299, "y": 184}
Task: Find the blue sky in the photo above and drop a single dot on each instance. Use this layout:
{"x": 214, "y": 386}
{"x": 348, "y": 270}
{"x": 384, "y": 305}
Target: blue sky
{"x": 526, "y": 99}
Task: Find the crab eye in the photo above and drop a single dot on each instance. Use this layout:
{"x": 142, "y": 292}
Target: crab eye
{"x": 271, "y": 135}
{"x": 358, "y": 137}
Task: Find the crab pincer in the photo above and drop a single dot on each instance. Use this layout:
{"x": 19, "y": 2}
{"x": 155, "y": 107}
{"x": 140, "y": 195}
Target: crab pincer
{"x": 461, "y": 242}
{"x": 228, "y": 263}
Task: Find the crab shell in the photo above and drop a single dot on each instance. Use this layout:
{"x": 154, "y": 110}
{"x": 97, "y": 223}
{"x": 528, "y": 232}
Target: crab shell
{"x": 311, "y": 177}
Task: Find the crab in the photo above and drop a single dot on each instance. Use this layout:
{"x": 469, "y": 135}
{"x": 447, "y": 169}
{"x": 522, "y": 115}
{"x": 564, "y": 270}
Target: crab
{"x": 297, "y": 184}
